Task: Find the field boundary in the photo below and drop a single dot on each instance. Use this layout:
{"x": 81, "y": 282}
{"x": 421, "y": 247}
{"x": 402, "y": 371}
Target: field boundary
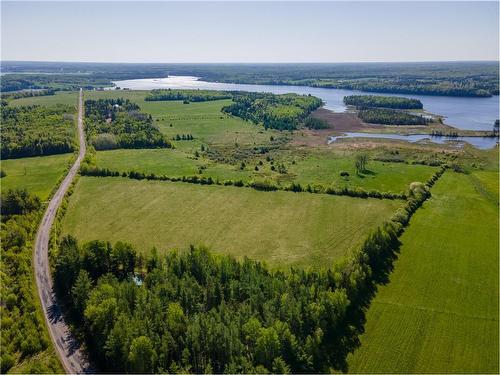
{"x": 94, "y": 171}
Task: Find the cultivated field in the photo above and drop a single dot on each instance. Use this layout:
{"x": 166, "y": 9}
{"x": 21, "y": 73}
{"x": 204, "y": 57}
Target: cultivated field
{"x": 281, "y": 228}
{"x": 439, "y": 313}
{"x": 38, "y": 174}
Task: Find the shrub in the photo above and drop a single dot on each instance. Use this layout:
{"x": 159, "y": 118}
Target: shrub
{"x": 104, "y": 141}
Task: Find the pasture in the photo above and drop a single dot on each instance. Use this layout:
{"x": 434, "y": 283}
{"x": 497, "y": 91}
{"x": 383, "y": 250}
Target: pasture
{"x": 38, "y": 175}
{"x": 281, "y": 228}
{"x": 304, "y": 167}
{"x": 439, "y": 313}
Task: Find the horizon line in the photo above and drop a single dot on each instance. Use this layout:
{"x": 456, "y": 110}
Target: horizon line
{"x": 256, "y": 62}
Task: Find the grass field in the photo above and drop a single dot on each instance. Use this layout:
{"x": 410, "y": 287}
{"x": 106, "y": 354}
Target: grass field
{"x": 439, "y": 313}
{"x": 61, "y": 97}
{"x": 38, "y": 175}
{"x": 307, "y": 168}
{"x": 281, "y": 228}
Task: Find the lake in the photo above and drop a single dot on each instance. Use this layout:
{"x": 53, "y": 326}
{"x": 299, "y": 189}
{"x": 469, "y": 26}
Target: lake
{"x": 479, "y": 142}
{"x": 460, "y": 112}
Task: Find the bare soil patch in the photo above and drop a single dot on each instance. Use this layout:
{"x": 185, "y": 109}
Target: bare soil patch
{"x": 341, "y": 121}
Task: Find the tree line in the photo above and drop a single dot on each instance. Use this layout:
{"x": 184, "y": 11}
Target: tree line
{"x": 119, "y": 123}
{"x": 28, "y": 94}
{"x": 282, "y": 112}
{"x": 390, "y": 117}
{"x": 262, "y": 185}
{"x": 394, "y": 102}
{"x": 35, "y": 131}
{"x": 187, "y": 95}
{"x": 23, "y": 334}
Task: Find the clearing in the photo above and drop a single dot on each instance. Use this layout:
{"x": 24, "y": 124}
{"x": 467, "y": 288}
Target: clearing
{"x": 281, "y": 228}
{"x": 38, "y": 174}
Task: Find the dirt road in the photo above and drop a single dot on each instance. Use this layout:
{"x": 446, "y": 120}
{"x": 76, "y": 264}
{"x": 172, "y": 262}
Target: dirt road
{"x": 68, "y": 349}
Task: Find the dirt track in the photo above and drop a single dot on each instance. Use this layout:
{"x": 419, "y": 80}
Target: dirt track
{"x": 68, "y": 349}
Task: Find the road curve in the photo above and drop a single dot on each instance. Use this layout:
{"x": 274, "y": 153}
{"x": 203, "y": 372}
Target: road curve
{"x": 66, "y": 346}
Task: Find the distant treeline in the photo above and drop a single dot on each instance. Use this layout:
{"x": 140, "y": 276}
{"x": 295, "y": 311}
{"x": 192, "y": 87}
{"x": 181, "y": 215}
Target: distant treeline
{"x": 65, "y": 82}
{"x": 28, "y": 94}
{"x": 119, "y": 123}
{"x": 23, "y": 328}
{"x": 395, "y": 102}
{"x": 187, "y": 95}
{"x": 194, "y": 312}
{"x": 282, "y": 112}
{"x": 457, "y": 87}
{"x": 442, "y": 78}
{"x": 390, "y": 117}
{"x": 35, "y": 131}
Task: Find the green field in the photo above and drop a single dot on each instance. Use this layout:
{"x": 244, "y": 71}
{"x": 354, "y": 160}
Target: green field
{"x": 281, "y": 228}
{"x": 305, "y": 168}
{"x": 439, "y": 313}
{"x": 38, "y": 175}
{"x": 61, "y": 97}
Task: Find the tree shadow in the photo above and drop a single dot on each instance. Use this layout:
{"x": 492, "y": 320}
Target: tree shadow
{"x": 54, "y": 313}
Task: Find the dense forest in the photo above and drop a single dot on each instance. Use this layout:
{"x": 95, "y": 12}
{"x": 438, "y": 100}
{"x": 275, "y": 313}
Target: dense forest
{"x": 390, "y": 117}
{"x": 443, "y": 78}
{"x": 119, "y": 123}
{"x": 187, "y": 95}
{"x": 22, "y": 333}
{"x": 282, "y": 112}
{"x": 202, "y": 313}
{"x": 395, "y": 102}
{"x": 34, "y": 131}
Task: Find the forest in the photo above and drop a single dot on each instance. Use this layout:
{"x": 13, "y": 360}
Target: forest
{"x": 187, "y": 95}
{"x": 282, "y": 112}
{"x": 22, "y": 333}
{"x": 390, "y": 117}
{"x": 394, "y": 102}
{"x": 119, "y": 123}
{"x": 35, "y": 131}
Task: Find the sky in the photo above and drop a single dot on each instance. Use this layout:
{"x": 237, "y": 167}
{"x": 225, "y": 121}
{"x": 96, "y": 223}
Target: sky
{"x": 197, "y": 32}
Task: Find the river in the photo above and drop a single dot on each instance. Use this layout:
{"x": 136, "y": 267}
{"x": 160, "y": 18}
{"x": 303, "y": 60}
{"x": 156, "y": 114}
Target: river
{"x": 479, "y": 142}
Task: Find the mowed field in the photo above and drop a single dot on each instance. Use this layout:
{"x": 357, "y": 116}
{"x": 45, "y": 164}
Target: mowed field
{"x": 38, "y": 175}
{"x": 280, "y": 228}
{"x": 439, "y": 313}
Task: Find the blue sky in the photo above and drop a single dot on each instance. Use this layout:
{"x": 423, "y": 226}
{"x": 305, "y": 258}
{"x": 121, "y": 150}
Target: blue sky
{"x": 249, "y": 32}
